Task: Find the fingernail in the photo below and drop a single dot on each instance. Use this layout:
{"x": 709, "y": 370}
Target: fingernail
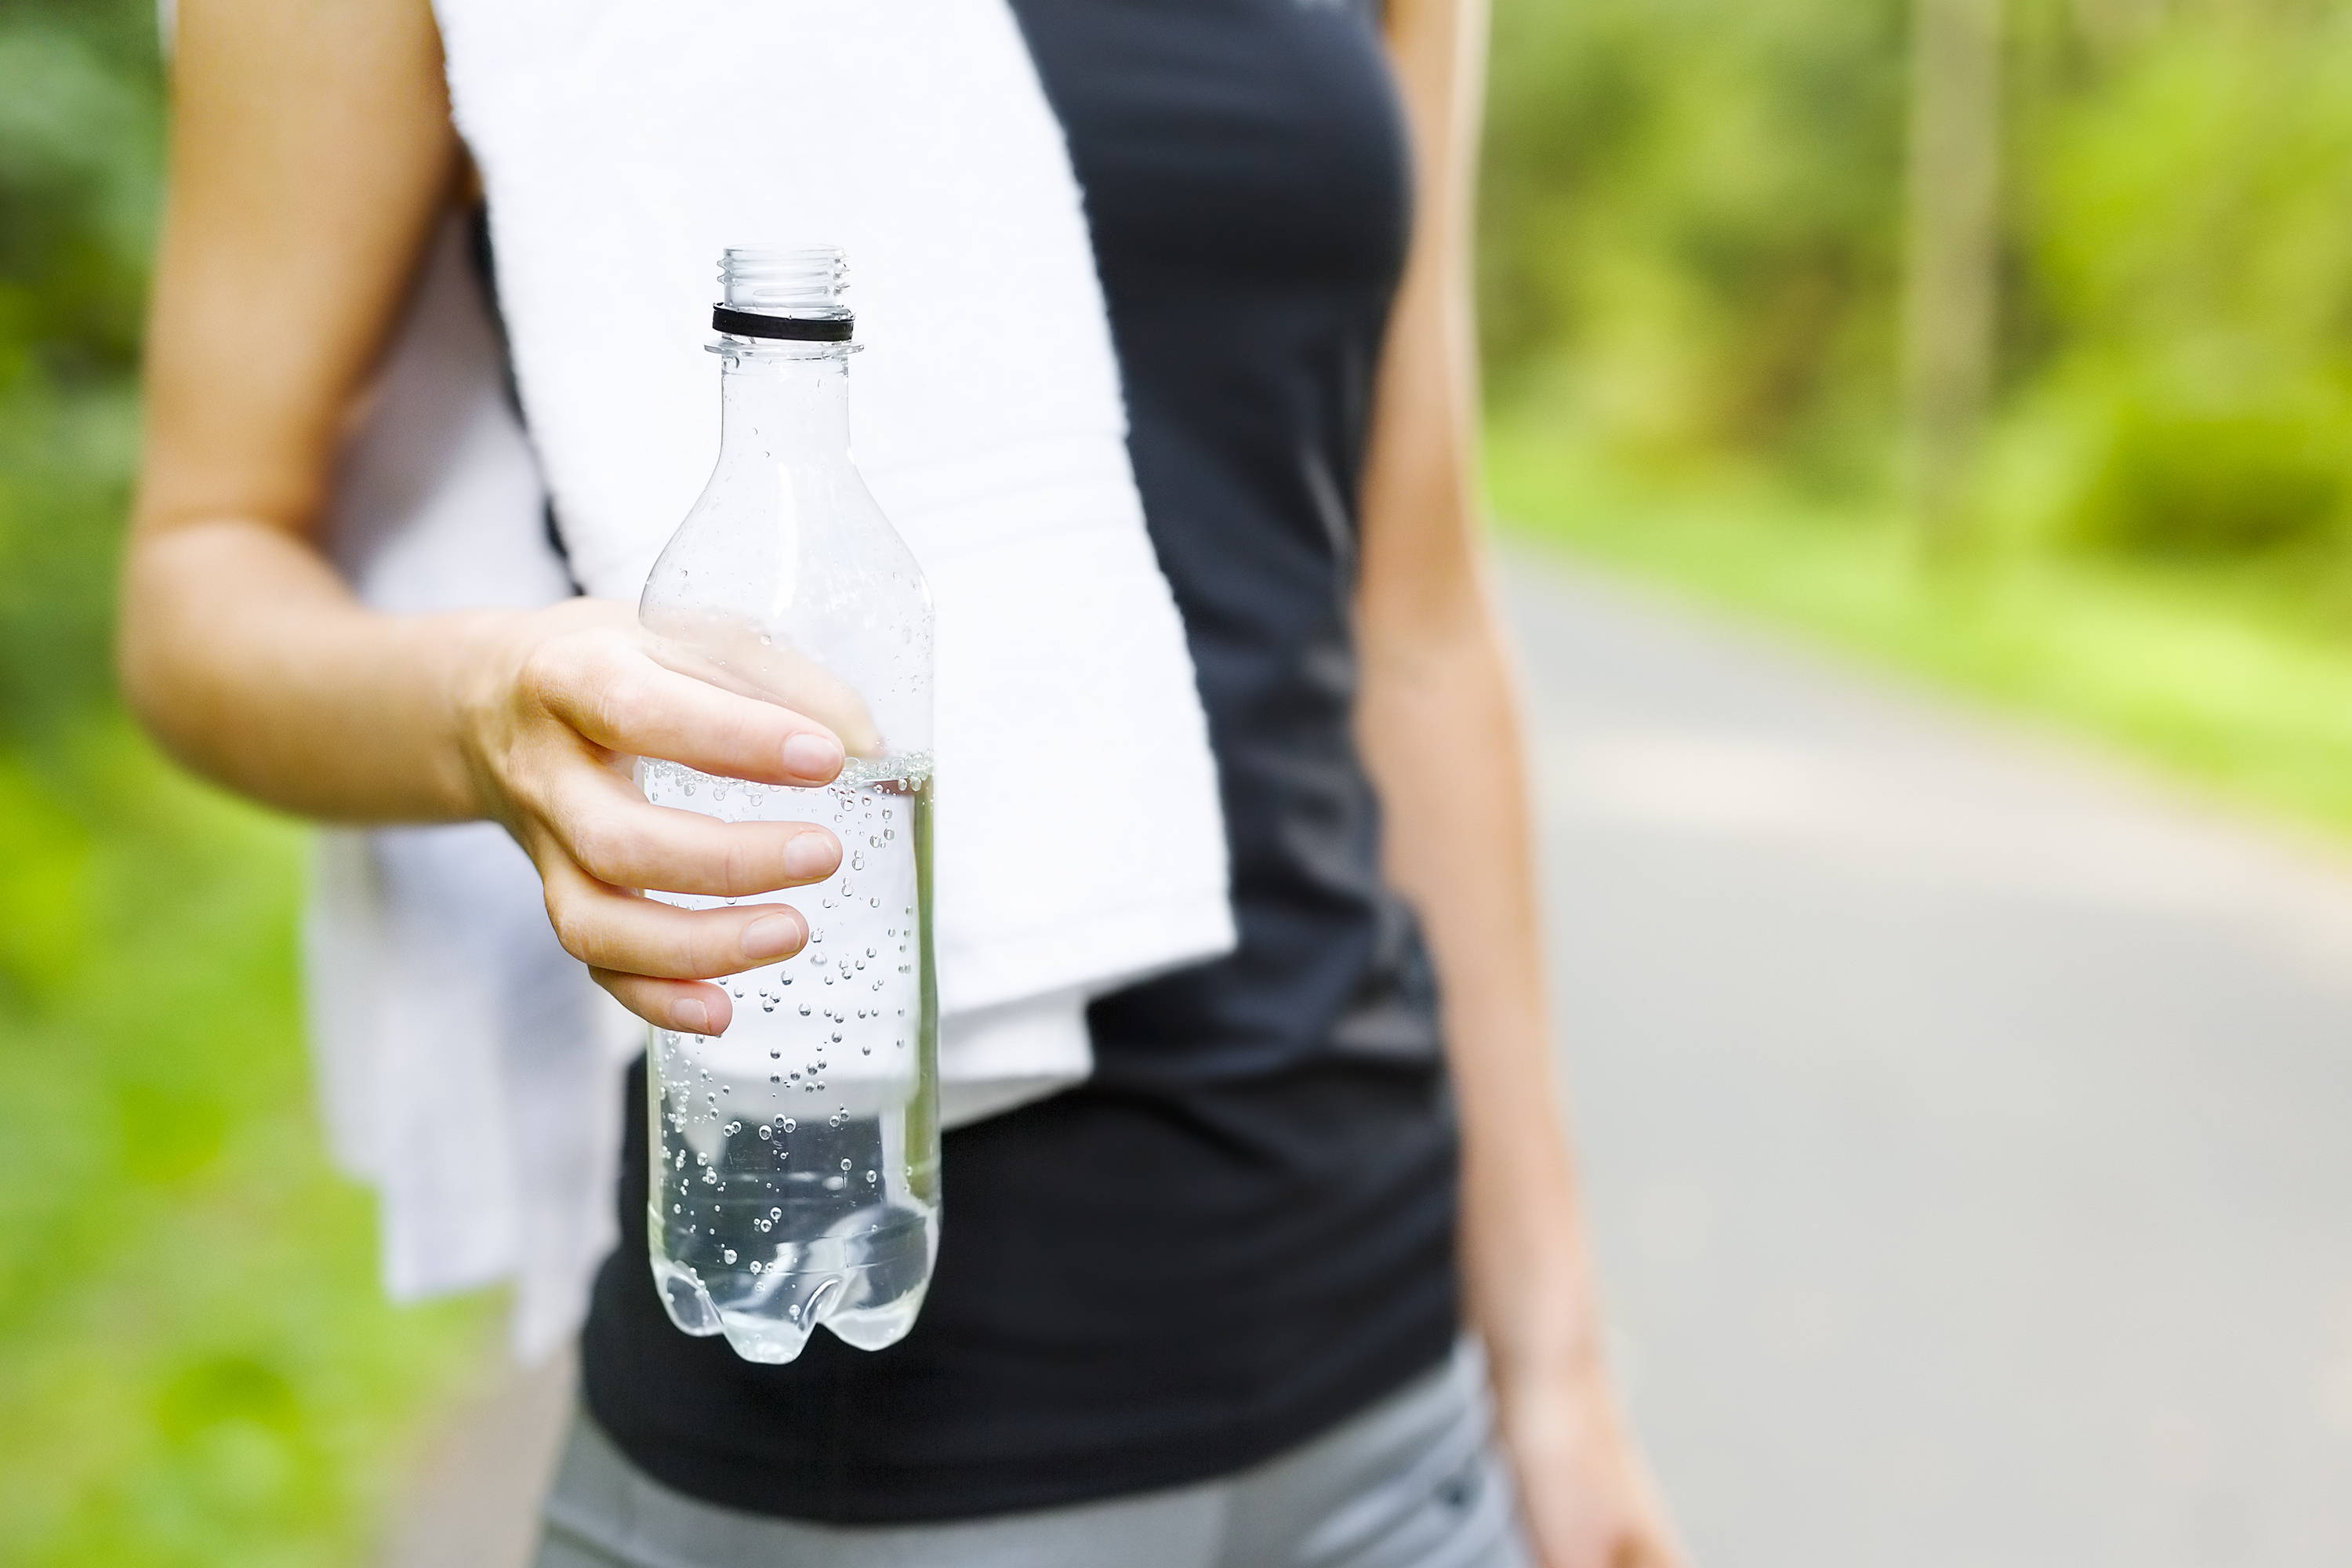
{"x": 810, "y": 856}
{"x": 693, "y": 1015}
{"x": 812, "y": 756}
{"x": 773, "y": 936}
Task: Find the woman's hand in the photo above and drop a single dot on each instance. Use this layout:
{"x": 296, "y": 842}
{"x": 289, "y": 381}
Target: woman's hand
{"x": 550, "y": 710}
{"x": 1584, "y": 1492}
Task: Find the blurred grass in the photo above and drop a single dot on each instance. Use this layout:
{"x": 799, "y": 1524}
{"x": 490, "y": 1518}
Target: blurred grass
{"x": 198, "y": 1367}
{"x": 2239, "y": 682}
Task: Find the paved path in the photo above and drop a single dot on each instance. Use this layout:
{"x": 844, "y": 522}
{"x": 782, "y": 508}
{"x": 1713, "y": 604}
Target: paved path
{"x": 1968, "y": 1130}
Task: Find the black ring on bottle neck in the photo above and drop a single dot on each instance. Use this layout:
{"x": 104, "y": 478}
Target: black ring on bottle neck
{"x": 792, "y": 329}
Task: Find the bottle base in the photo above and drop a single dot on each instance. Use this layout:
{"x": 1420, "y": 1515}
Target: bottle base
{"x": 808, "y": 1301}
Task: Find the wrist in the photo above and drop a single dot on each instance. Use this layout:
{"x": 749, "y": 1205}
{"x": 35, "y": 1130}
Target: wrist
{"x": 481, "y": 650}
{"x": 1541, "y": 1324}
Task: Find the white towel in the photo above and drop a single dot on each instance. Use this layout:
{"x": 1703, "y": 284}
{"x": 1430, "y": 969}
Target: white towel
{"x": 467, "y": 1066}
{"x": 1079, "y": 841}
{"x": 623, "y": 143}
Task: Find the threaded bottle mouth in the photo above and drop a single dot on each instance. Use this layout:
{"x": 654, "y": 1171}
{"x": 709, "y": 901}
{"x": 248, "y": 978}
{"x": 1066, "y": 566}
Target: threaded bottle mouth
{"x": 792, "y": 294}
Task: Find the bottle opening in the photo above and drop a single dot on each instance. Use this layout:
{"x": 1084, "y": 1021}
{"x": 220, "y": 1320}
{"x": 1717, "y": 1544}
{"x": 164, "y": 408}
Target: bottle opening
{"x": 793, "y": 294}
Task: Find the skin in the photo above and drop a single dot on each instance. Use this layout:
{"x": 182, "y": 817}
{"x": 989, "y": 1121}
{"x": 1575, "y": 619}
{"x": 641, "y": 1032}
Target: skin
{"x": 313, "y": 155}
{"x": 1438, "y": 684}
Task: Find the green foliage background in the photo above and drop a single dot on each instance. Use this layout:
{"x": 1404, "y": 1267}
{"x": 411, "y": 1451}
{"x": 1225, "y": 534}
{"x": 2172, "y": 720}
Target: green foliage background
{"x": 1692, "y": 252}
{"x": 195, "y": 1367}
{"x": 1691, "y": 267}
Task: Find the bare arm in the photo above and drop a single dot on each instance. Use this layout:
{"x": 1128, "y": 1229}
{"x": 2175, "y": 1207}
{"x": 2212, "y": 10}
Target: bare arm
{"x": 303, "y": 185}
{"x": 311, "y": 155}
{"x": 1440, "y": 725}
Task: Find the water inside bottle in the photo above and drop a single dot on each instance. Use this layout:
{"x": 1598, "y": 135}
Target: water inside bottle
{"x": 784, "y": 1192}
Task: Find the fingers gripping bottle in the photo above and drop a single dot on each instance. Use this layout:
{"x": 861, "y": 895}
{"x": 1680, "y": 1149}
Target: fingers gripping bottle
{"x": 795, "y": 1176}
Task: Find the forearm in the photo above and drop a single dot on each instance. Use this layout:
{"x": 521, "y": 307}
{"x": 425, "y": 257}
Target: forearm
{"x": 1442, "y": 731}
{"x": 1441, "y": 727}
{"x": 250, "y": 661}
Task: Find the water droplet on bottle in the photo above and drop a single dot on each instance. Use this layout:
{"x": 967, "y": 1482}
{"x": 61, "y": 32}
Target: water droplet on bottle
{"x": 790, "y": 1124}
{"x": 727, "y": 1253}
{"x": 844, "y": 1165}
{"x": 872, "y": 1177}
{"x": 767, "y": 1132}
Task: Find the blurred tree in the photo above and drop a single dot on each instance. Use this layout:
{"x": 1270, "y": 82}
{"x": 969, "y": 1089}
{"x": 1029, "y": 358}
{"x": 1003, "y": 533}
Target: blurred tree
{"x": 1691, "y": 223}
{"x": 1762, "y": 234}
{"x": 80, "y": 139}
{"x": 1951, "y": 254}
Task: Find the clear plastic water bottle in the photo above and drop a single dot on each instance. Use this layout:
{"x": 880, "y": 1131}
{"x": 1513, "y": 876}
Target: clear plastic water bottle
{"x": 795, "y": 1158}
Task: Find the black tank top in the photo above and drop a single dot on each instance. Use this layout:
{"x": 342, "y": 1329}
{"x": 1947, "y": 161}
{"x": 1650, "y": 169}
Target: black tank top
{"x": 1241, "y": 1230}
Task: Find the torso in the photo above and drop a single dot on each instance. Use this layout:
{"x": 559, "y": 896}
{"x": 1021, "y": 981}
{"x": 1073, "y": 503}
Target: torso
{"x": 1241, "y": 1230}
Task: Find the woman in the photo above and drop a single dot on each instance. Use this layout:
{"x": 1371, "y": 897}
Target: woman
{"x": 1300, "y": 396}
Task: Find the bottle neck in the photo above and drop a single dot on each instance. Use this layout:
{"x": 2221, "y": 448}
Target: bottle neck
{"x": 789, "y": 404}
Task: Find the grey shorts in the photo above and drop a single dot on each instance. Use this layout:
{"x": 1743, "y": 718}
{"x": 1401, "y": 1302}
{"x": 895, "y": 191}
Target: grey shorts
{"x": 1412, "y": 1482}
